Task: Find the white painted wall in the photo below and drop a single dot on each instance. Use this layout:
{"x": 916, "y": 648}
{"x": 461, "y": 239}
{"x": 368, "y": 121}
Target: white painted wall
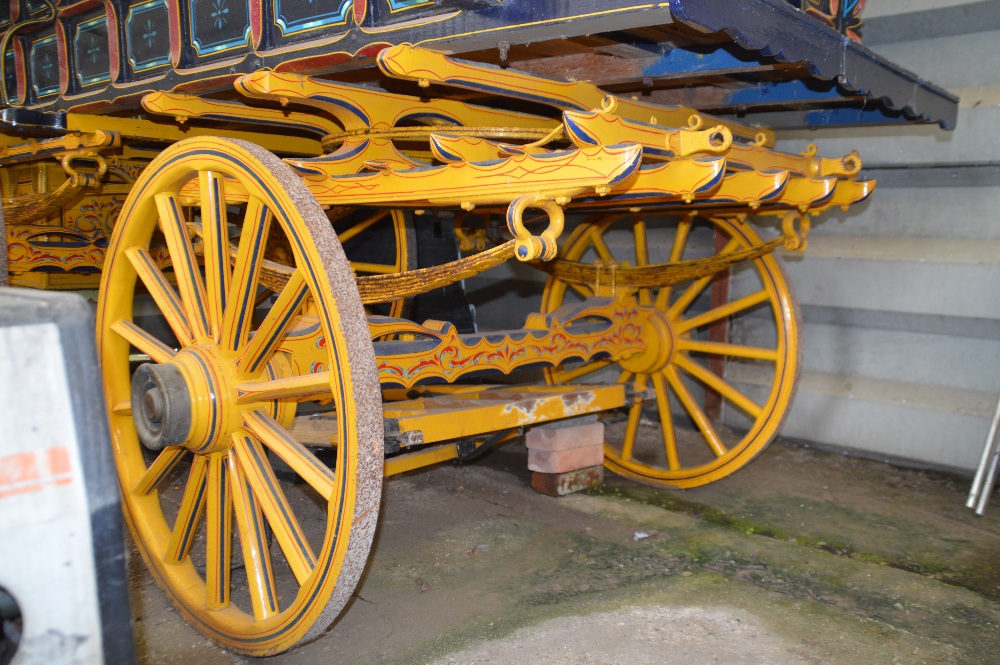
{"x": 901, "y": 296}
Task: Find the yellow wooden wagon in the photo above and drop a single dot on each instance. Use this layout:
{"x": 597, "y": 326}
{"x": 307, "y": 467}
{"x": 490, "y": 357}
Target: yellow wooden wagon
{"x": 209, "y": 172}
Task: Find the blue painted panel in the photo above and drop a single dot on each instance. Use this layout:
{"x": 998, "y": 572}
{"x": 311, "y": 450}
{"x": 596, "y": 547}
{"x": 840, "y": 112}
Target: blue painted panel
{"x": 147, "y": 35}
{"x": 10, "y": 74}
{"x": 219, "y": 25}
{"x": 90, "y": 51}
{"x": 44, "y": 66}
{"x": 846, "y": 116}
{"x": 294, "y": 16}
{"x": 684, "y": 61}
{"x": 785, "y": 92}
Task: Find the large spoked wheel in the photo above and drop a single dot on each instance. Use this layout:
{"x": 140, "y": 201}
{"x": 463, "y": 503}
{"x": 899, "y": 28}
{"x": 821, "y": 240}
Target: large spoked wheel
{"x": 721, "y": 356}
{"x": 255, "y": 560}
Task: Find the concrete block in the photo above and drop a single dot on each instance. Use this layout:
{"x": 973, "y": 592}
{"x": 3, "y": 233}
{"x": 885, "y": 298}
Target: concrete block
{"x": 561, "y": 461}
{"x": 565, "y": 438}
{"x": 561, "y": 484}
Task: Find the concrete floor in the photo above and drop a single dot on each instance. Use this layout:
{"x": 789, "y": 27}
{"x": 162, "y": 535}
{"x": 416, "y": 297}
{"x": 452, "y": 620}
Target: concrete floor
{"x": 802, "y": 557}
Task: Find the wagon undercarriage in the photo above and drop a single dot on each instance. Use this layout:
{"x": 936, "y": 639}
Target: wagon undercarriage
{"x": 259, "y": 366}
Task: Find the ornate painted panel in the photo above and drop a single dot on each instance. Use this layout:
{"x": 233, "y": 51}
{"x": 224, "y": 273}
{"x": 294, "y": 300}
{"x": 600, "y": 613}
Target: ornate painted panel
{"x": 219, "y": 26}
{"x": 90, "y": 51}
{"x": 294, "y": 17}
{"x": 10, "y": 75}
{"x": 44, "y": 65}
{"x": 147, "y": 37}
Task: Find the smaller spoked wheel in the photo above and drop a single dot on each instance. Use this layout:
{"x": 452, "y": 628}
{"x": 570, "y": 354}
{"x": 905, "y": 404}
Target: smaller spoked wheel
{"x": 257, "y": 541}
{"x": 378, "y": 241}
{"x": 720, "y": 362}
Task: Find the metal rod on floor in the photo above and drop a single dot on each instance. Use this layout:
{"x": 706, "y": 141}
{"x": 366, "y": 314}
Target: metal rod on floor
{"x": 986, "y": 473}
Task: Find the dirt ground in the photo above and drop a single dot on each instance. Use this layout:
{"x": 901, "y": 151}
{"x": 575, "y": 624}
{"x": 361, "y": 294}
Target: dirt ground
{"x": 801, "y": 557}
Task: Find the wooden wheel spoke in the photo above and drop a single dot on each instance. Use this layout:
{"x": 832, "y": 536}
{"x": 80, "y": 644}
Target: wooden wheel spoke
{"x": 718, "y": 384}
{"x": 189, "y": 513}
{"x": 242, "y": 298}
{"x": 253, "y": 542}
{"x": 582, "y": 289}
{"x": 215, "y": 236}
{"x": 601, "y": 247}
{"x": 723, "y": 311}
{"x": 273, "y": 503}
{"x": 281, "y": 442}
{"x": 696, "y": 287}
{"x": 375, "y": 268}
{"x": 162, "y": 292}
{"x": 159, "y": 470}
{"x": 727, "y": 349}
{"x": 666, "y": 423}
{"x": 189, "y": 282}
{"x": 634, "y": 416}
{"x": 676, "y": 252}
{"x": 142, "y": 340}
{"x": 697, "y": 415}
{"x": 218, "y": 534}
{"x": 361, "y": 227}
{"x": 642, "y": 256}
{"x": 265, "y": 341}
{"x": 566, "y": 375}
{"x": 293, "y": 387}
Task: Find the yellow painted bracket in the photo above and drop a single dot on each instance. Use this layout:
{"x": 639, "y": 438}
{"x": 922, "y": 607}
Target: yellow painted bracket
{"x": 806, "y": 193}
{"x": 452, "y": 148}
{"x": 152, "y": 130}
{"x": 79, "y": 143}
{"x": 426, "y": 67}
{"x": 184, "y": 107}
{"x": 588, "y": 128}
{"x": 756, "y": 156}
{"x": 742, "y": 189}
{"x": 356, "y": 155}
{"x": 557, "y": 176}
{"x": 359, "y": 109}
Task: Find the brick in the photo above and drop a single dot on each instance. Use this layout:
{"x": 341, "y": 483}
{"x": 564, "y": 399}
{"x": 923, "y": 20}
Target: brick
{"x": 561, "y": 484}
{"x": 565, "y": 438}
{"x": 560, "y": 461}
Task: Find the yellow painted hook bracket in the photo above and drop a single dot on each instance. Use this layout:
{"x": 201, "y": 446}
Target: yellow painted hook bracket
{"x": 796, "y": 239}
{"x": 530, "y": 247}
{"x": 84, "y": 179}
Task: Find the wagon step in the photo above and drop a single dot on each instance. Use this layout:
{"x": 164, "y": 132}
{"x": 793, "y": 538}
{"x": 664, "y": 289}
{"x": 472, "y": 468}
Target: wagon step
{"x": 463, "y": 415}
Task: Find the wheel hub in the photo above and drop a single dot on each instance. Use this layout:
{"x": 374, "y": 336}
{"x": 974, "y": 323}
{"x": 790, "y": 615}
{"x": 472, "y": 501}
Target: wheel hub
{"x": 161, "y": 405}
{"x": 186, "y": 402}
{"x": 191, "y": 401}
{"x": 659, "y": 344}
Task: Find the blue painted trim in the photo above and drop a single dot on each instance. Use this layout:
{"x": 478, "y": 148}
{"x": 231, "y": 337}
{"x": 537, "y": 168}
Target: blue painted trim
{"x": 782, "y": 93}
{"x": 849, "y": 116}
{"x": 685, "y": 61}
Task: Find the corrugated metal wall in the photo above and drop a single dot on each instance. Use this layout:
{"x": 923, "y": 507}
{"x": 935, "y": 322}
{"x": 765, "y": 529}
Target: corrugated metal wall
{"x": 900, "y": 296}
